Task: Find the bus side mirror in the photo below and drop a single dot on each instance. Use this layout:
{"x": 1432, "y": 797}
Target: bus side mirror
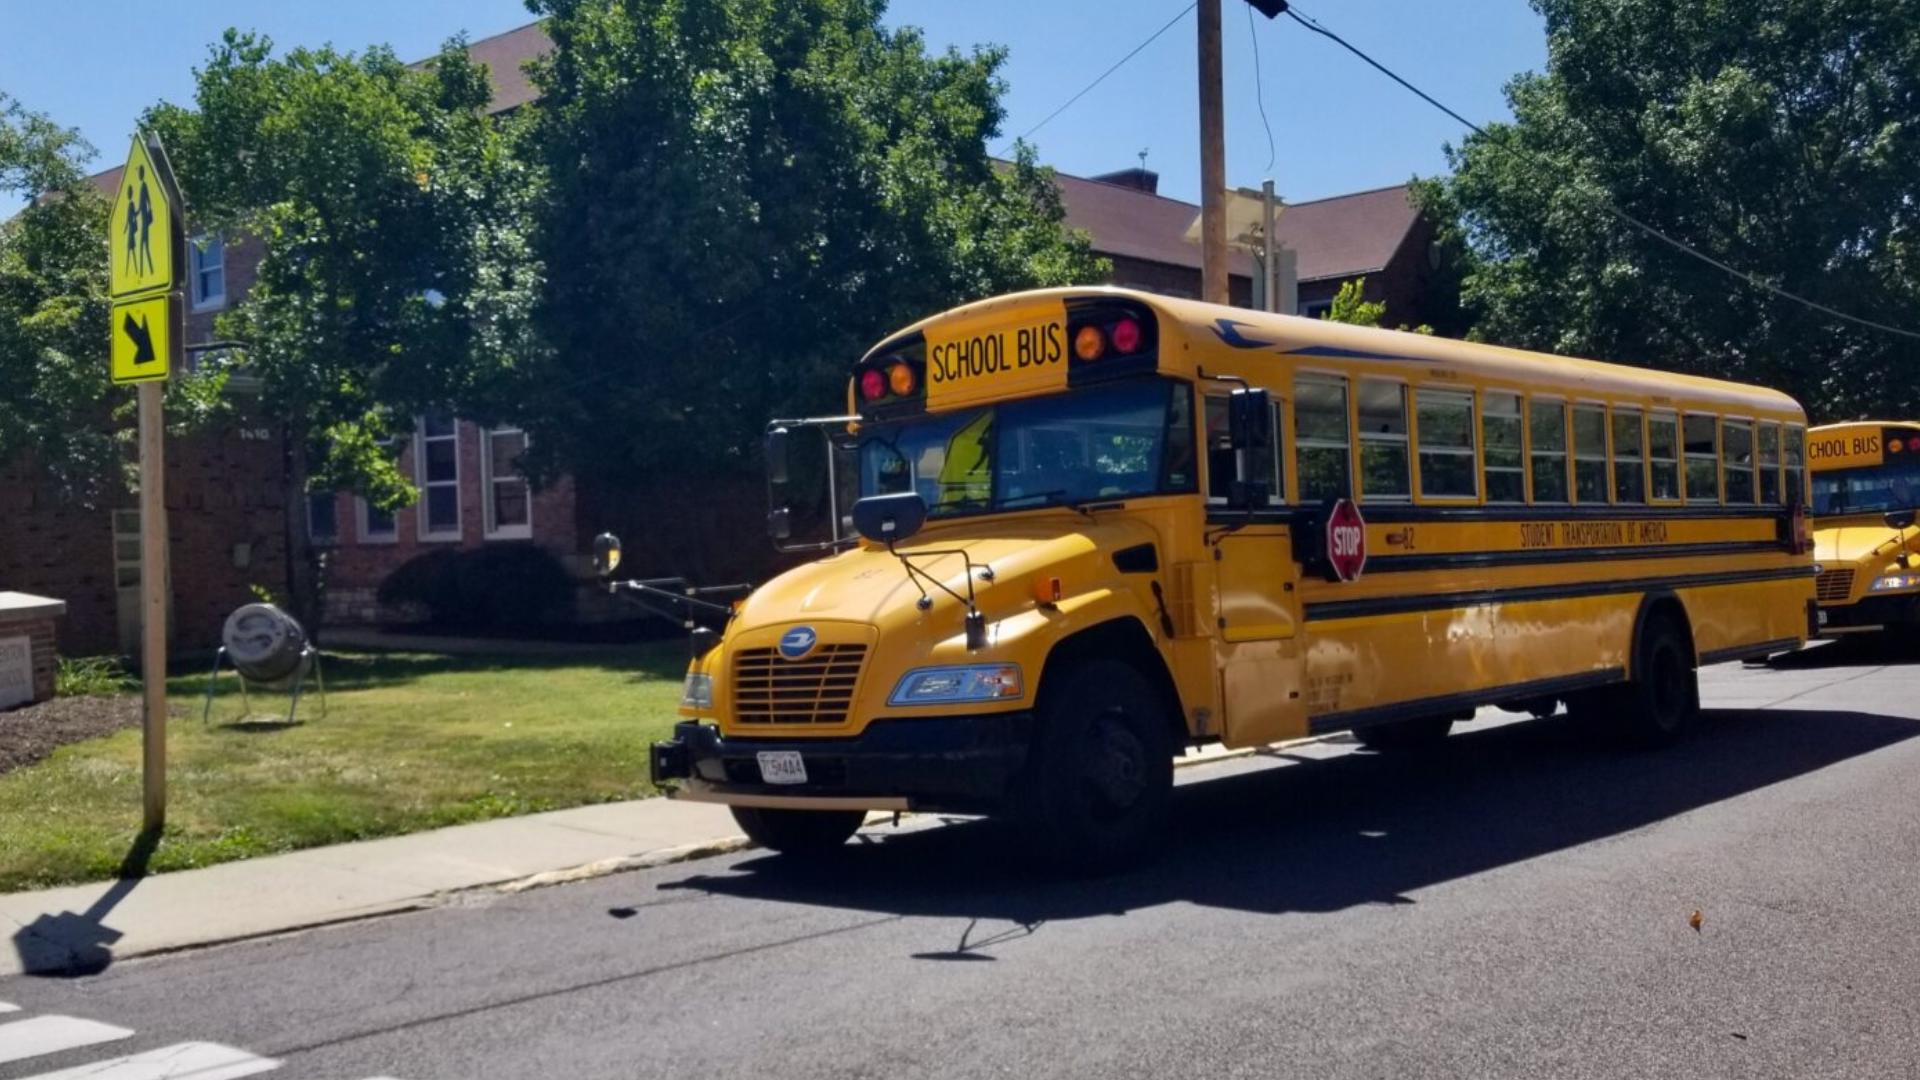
{"x": 606, "y": 554}
{"x": 1899, "y": 519}
{"x": 888, "y": 519}
{"x": 1249, "y": 419}
{"x": 776, "y": 451}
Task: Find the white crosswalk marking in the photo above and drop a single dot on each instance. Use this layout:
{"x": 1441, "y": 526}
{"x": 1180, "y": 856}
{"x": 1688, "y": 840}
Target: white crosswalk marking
{"x": 51, "y": 1034}
{"x": 186, "y": 1061}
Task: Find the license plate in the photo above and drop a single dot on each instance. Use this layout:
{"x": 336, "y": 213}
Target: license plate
{"x": 782, "y": 767}
{"x": 1823, "y": 618}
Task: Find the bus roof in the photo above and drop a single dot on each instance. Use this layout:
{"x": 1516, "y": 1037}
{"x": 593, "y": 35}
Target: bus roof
{"x": 1300, "y": 338}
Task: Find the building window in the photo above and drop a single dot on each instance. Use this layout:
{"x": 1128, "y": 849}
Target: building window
{"x": 1547, "y": 430}
{"x": 1703, "y": 460}
{"x": 1315, "y": 309}
{"x": 377, "y": 526}
{"x": 436, "y": 460}
{"x": 1629, "y": 467}
{"x": 509, "y": 502}
{"x": 1446, "y": 443}
{"x": 323, "y": 518}
{"x": 1663, "y": 456}
{"x": 1589, "y": 454}
{"x": 1385, "y": 472}
{"x": 1320, "y": 429}
{"x": 1506, "y": 466}
{"x": 207, "y": 266}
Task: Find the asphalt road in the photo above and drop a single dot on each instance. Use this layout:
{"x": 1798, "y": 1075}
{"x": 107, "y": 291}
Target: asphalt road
{"x": 1517, "y": 905}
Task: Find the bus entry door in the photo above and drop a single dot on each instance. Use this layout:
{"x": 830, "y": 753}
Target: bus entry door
{"x": 1257, "y": 636}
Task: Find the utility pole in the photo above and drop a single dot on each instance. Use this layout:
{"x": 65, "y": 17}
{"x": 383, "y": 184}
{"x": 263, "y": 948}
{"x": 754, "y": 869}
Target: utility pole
{"x": 1270, "y": 283}
{"x": 1213, "y": 161}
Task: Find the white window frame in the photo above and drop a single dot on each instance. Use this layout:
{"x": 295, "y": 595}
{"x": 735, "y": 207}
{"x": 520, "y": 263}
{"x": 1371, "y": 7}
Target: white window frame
{"x": 422, "y": 512}
{"x": 1518, "y": 416}
{"x": 489, "y": 528}
{"x": 1471, "y": 452}
{"x": 362, "y": 534}
{"x": 197, "y": 271}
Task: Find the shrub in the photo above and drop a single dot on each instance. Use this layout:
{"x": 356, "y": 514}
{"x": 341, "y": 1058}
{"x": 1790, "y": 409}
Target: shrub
{"x": 83, "y": 676}
{"x": 426, "y": 581}
{"x": 500, "y": 586}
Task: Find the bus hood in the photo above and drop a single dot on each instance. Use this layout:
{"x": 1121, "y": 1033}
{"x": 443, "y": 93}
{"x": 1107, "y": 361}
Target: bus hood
{"x": 867, "y": 584}
{"x": 1851, "y": 542}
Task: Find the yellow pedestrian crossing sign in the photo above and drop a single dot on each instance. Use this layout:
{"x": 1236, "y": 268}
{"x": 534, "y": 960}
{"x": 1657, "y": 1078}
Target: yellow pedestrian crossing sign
{"x": 144, "y": 333}
{"x": 143, "y": 232}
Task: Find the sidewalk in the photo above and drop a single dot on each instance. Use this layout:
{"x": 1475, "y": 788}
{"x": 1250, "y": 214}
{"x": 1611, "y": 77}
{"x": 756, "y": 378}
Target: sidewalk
{"x": 79, "y": 929}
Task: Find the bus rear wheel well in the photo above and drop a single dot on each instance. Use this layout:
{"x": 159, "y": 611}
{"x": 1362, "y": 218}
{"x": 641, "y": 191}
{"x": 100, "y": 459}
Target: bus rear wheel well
{"x": 1124, "y": 639}
{"x": 1657, "y": 607}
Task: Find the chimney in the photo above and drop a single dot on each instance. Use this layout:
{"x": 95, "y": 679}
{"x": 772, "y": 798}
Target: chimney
{"x": 1136, "y": 178}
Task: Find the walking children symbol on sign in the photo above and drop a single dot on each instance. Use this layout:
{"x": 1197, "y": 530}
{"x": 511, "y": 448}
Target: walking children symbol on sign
{"x": 143, "y": 227}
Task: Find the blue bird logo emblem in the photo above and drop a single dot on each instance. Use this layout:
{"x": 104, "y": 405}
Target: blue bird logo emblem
{"x": 798, "y": 642}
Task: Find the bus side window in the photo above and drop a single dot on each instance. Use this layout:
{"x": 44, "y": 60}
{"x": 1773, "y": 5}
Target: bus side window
{"x": 1589, "y": 454}
{"x": 1384, "y": 469}
{"x": 1547, "y": 427}
{"x": 1793, "y": 456}
{"x": 1223, "y": 461}
{"x": 1663, "y": 454}
{"x": 1703, "y": 459}
{"x": 1629, "y": 466}
{"x": 1179, "y": 465}
{"x": 1445, "y": 438}
{"x": 1770, "y": 464}
{"x": 1506, "y": 466}
{"x": 1321, "y": 454}
{"x": 1736, "y": 459}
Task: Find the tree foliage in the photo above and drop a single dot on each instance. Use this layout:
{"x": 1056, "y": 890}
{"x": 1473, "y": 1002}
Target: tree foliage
{"x": 740, "y": 197}
{"x": 395, "y": 277}
{"x": 1778, "y": 136}
{"x": 1351, "y": 306}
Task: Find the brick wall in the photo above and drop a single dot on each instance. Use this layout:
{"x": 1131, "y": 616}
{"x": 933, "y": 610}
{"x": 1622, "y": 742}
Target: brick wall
{"x": 1169, "y": 280}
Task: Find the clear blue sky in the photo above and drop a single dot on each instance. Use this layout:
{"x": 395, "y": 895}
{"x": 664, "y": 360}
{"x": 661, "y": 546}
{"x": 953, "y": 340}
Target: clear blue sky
{"x": 1337, "y": 125}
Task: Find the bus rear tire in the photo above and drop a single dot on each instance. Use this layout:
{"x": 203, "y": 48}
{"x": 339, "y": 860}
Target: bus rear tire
{"x": 798, "y": 832}
{"x": 1660, "y": 703}
{"x": 1094, "y": 796}
{"x": 1421, "y": 732}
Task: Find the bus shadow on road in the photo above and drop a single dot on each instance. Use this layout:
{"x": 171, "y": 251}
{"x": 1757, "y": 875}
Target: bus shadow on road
{"x": 1322, "y": 836}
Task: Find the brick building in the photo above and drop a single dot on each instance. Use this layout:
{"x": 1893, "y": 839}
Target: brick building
{"x": 231, "y": 513}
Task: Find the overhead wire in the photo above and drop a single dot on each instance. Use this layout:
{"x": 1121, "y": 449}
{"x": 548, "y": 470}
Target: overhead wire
{"x": 1606, "y": 204}
{"x": 1259, "y": 87}
{"x": 1102, "y": 77}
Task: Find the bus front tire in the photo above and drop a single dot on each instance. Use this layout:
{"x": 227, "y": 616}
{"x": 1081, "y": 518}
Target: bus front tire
{"x": 1394, "y": 736}
{"x": 1661, "y": 701}
{"x": 1099, "y": 776}
{"x": 798, "y": 832}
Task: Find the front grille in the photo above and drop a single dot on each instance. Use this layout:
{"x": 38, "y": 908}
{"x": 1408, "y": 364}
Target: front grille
{"x": 816, "y": 689}
{"x": 1833, "y": 585}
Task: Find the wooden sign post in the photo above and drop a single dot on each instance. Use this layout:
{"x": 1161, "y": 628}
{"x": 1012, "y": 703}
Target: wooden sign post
{"x": 146, "y": 243}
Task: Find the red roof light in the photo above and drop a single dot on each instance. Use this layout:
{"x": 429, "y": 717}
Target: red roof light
{"x": 1126, "y": 336}
{"x": 873, "y": 385}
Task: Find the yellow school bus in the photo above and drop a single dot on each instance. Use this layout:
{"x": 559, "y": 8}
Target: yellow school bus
{"x": 1866, "y": 487}
{"x": 1096, "y": 527}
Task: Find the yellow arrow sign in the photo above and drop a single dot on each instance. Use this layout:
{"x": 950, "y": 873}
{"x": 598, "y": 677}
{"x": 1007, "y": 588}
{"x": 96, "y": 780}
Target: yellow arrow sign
{"x": 140, "y": 234}
{"x": 143, "y": 332}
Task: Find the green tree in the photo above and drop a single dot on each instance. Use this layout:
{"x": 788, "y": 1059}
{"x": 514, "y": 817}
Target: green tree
{"x": 58, "y": 411}
{"x": 1777, "y": 136}
{"x": 1351, "y": 306}
{"x": 396, "y": 277}
{"x": 741, "y": 197}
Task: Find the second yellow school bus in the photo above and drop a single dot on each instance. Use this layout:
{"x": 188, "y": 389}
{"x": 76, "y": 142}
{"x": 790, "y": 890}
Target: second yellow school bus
{"x": 1866, "y": 489}
{"x": 1099, "y": 526}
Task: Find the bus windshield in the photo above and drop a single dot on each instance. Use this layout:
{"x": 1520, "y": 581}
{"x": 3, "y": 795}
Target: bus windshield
{"x": 1871, "y": 490}
{"x": 1111, "y": 442}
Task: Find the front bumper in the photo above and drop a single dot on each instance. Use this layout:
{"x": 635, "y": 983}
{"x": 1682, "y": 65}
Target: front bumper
{"x": 1891, "y": 610}
{"x": 964, "y": 764}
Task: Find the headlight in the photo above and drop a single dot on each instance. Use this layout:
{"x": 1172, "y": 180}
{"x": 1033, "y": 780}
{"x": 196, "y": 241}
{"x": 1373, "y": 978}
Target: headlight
{"x": 1896, "y": 581}
{"x": 697, "y": 693}
{"x": 966, "y": 682}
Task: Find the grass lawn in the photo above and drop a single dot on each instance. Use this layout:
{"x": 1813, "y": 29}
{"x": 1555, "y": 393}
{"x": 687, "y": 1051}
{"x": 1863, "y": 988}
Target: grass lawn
{"x": 409, "y": 742}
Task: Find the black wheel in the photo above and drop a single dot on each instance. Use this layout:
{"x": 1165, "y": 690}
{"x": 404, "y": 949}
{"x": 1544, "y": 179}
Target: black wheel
{"x": 1661, "y": 701}
{"x": 1400, "y": 735}
{"x": 1093, "y": 797}
{"x": 798, "y": 832}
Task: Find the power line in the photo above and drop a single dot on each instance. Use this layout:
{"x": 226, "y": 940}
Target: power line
{"x": 1259, "y": 89}
{"x": 1606, "y": 204}
{"x": 1151, "y": 38}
